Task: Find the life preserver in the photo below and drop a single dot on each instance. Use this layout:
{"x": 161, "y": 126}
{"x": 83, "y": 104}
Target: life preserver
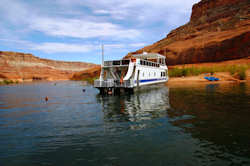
{"x": 121, "y": 80}
{"x": 133, "y": 59}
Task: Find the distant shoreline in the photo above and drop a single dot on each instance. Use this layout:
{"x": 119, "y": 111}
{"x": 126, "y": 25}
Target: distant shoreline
{"x": 224, "y": 77}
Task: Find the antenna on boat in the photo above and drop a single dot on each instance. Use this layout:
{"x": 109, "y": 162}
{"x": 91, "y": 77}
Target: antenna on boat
{"x": 102, "y": 54}
{"x": 102, "y": 72}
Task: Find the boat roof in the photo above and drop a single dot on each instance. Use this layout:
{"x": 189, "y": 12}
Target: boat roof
{"x": 148, "y": 56}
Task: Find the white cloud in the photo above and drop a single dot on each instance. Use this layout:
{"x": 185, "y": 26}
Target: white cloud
{"x": 81, "y": 29}
{"x": 30, "y": 19}
{"x": 75, "y": 48}
{"x": 137, "y": 44}
{"x": 142, "y": 10}
{"x": 13, "y": 11}
{"x": 62, "y": 48}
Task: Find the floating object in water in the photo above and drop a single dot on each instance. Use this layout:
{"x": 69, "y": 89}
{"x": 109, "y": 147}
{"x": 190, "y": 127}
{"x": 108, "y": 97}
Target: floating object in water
{"x": 83, "y": 90}
{"x": 212, "y": 78}
{"x": 46, "y": 98}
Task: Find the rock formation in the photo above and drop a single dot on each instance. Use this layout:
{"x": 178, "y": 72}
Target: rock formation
{"x": 218, "y": 30}
{"x": 87, "y": 74}
{"x": 21, "y": 67}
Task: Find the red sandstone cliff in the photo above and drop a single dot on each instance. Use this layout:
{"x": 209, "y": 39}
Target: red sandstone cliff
{"x": 87, "y": 74}
{"x": 218, "y": 30}
{"x": 20, "y": 66}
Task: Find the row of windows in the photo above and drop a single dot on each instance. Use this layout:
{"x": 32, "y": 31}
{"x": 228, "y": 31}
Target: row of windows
{"x": 163, "y": 74}
{"x": 147, "y": 63}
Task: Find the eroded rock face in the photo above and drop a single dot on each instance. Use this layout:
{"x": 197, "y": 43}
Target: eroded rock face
{"x": 90, "y": 73}
{"x": 21, "y": 66}
{"x": 218, "y": 30}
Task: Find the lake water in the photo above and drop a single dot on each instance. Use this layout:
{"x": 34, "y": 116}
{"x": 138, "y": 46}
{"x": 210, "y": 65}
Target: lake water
{"x": 191, "y": 126}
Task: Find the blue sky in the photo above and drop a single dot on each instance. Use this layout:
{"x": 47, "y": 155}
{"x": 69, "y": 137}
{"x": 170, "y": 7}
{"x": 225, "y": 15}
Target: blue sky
{"x": 73, "y": 30}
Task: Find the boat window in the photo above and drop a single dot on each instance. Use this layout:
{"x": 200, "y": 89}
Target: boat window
{"x": 116, "y": 62}
{"x": 154, "y": 73}
{"x": 149, "y": 74}
{"x": 125, "y": 62}
{"x": 143, "y": 74}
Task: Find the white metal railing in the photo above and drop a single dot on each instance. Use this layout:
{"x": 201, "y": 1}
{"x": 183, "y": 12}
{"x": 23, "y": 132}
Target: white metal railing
{"x": 113, "y": 83}
{"x": 117, "y": 63}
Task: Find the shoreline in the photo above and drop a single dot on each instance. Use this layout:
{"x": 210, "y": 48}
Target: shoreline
{"x": 225, "y": 78}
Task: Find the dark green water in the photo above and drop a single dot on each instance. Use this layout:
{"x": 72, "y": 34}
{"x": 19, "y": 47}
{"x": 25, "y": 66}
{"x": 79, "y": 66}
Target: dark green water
{"x": 192, "y": 126}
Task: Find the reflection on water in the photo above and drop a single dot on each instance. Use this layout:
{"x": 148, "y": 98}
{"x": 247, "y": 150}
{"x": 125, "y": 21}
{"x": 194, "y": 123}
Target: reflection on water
{"x": 143, "y": 105}
{"x": 220, "y": 119}
{"x": 205, "y": 125}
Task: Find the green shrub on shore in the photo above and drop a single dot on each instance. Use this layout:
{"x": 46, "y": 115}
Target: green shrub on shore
{"x": 242, "y": 74}
{"x": 239, "y": 70}
{"x": 7, "y": 82}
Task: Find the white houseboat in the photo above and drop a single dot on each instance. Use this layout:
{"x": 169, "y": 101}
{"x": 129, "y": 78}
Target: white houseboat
{"x": 128, "y": 74}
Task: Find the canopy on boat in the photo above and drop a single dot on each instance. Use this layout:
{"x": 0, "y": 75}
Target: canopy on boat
{"x": 149, "y": 56}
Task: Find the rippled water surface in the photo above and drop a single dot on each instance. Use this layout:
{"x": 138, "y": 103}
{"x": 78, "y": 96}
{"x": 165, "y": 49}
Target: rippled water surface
{"x": 191, "y": 126}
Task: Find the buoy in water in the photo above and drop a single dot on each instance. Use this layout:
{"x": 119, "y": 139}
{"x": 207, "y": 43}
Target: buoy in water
{"x": 83, "y": 90}
{"x": 110, "y": 91}
{"x": 46, "y": 98}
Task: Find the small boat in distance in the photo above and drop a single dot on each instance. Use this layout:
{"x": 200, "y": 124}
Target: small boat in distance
{"x": 128, "y": 74}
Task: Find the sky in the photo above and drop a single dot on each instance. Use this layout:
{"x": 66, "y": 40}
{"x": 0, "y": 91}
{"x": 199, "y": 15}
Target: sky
{"x": 74, "y": 30}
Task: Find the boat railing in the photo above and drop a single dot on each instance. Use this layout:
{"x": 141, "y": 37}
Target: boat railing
{"x": 116, "y": 63}
{"x": 113, "y": 84}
